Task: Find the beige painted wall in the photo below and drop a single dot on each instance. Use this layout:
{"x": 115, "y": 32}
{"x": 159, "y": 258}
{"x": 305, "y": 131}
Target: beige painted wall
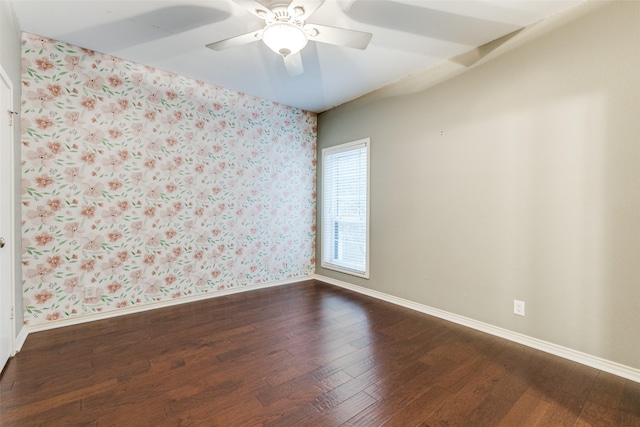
{"x": 10, "y": 60}
{"x": 518, "y": 179}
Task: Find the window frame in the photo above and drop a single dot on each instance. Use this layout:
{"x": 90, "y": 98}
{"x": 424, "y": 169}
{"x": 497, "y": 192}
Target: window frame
{"x": 328, "y": 264}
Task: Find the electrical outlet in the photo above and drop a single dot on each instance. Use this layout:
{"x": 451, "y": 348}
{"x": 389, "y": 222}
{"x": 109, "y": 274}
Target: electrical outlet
{"x": 518, "y": 307}
{"x": 90, "y": 291}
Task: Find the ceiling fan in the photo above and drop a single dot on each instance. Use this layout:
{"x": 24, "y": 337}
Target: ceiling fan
{"x": 287, "y": 33}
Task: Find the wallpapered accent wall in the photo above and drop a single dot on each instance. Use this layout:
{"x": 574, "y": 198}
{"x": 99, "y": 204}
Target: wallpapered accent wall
{"x": 151, "y": 186}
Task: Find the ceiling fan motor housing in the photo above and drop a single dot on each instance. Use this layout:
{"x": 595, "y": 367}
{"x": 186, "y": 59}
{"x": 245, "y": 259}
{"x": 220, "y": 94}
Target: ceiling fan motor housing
{"x": 281, "y": 13}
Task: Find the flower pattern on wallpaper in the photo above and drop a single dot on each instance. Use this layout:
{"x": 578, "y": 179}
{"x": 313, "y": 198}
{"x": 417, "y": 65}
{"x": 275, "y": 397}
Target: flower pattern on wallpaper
{"x": 151, "y": 186}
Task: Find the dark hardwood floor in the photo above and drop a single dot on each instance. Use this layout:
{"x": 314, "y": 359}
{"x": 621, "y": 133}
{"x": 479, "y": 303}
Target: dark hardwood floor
{"x": 303, "y": 354}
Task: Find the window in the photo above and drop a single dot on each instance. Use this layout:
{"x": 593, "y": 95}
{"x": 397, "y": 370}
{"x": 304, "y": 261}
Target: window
{"x": 345, "y": 208}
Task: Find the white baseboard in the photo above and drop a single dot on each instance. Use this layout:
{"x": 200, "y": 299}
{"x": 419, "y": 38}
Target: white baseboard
{"x": 153, "y": 306}
{"x": 20, "y": 339}
{"x": 557, "y": 350}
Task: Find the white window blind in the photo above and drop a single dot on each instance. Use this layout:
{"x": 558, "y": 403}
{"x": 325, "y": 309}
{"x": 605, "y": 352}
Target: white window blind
{"x": 345, "y": 208}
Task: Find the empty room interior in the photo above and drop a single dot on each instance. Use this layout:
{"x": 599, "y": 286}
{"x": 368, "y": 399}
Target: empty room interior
{"x": 307, "y": 212}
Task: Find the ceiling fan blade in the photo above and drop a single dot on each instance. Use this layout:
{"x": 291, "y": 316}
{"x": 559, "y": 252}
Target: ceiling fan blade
{"x": 257, "y": 8}
{"x": 338, "y": 36}
{"x": 236, "y": 41}
{"x": 302, "y": 9}
{"x": 293, "y": 64}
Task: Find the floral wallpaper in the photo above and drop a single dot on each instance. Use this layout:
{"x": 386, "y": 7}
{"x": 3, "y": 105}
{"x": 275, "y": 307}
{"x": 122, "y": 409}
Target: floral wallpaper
{"x": 151, "y": 186}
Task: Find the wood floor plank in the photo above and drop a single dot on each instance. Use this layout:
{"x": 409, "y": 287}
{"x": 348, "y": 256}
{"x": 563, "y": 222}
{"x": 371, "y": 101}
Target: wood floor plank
{"x": 16, "y": 412}
{"x": 295, "y": 355}
{"x": 630, "y": 399}
{"x": 490, "y": 409}
{"x": 528, "y": 410}
{"x": 601, "y": 407}
{"x": 626, "y": 419}
{"x": 341, "y": 413}
{"x": 396, "y": 396}
{"x": 300, "y": 416}
{"x": 54, "y": 416}
{"x": 415, "y": 412}
{"x": 569, "y": 403}
{"x": 474, "y": 399}
{"x": 347, "y": 390}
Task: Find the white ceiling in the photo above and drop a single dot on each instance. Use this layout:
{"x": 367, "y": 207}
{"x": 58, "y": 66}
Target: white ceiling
{"x": 409, "y": 36}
